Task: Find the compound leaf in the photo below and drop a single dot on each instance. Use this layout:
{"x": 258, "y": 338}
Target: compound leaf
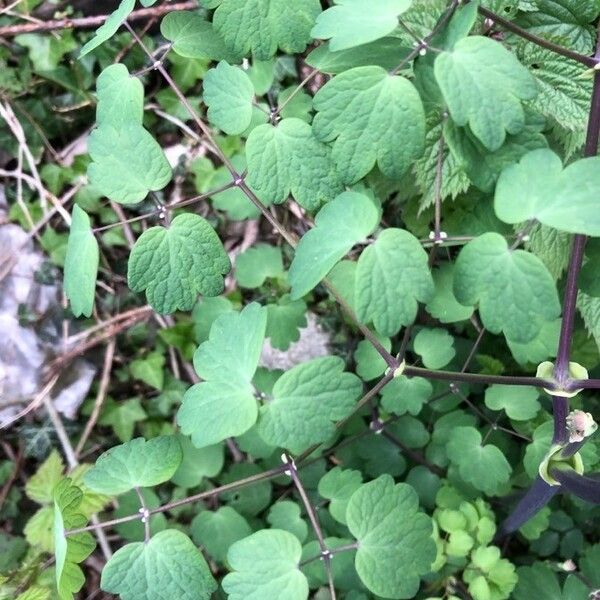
{"x": 391, "y": 531}
{"x": 255, "y": 265}
{"x": 261, "y": 26}
{"x": 228, "y": 93}
{"x": 484, "y": 86}
{"x": 391, "y": 277}
{"x": 218, "y": 530}
{"x": 364, "y": 112}
{"x": 352, "y": 22}
{"x": 168, "y": 566}
{"x": 406, "y": 395}
{"x": 435, "y": 346}
{"x": 306, "y": 402}
{"x": 81, "y": 264}
{"x": 537, "y": 187}
{"x": 284, "y": 321}
{"x": 340, "y": 224}
{"x": 174, "y": 265}
{"x": 285, "y": 515}
{"x": 337, "y": 486}
{"x": 520, "y": 402}
{"x": 109, "y": 27}
{"x": 288, "y": 159}
{"x": 265, "y": 567}
{"x": 127, "y": 162}
{"x": 193, "y": 36}
{"x": 120, "y": 97}
{"x": 484, "y": 467}
{"x": 443, "y": 305}
{"x": 224, "y": 405}
{"x": 515, "y": 292}
{"x": 138, "y": 463}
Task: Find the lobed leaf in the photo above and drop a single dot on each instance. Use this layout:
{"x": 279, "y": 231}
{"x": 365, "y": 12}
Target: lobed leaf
{"x": 174, "y": 265}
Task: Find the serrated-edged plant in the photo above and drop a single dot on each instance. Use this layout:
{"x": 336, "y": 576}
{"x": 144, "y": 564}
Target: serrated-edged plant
{"x": 331, "y": 314}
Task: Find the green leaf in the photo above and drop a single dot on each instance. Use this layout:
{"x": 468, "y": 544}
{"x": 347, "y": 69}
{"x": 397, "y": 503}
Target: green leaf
{"x": 228, "y": 93}
{"x": 197, "y": 463}
{"x": 589, "y": 308}
{"x": 391, "y": 531}
{"x": 443, "y": 305}
{"x": 477, "y": 77}
{"x": 340, "y": 224}
{"x": 369, "y": 363}
{"x": 149, "y": 369}
{"x": 255, "y": 265}
{"x": 288, "y": 159}
{"x": 537, "y": 187}
{"x": 168, "y": 566}
{"x": 109, "y": 27}
{"x": 386, "y": 52}
{"x": 540, "y": 581}
{"x": 278, "y": 553}
{"x": 435, "y": 346}
{"x": 138, "y": 463}
{"x": 484, "y": 467}
{"x": 342, "y": 567}
{"x": 127, "y": 162}
{"x": 337, "y": 486}
{"x": 193, "y": 36}
{"x": 540, "y": 348}
{"x": 514, "y": 291}
{"x": 81, "y": 264}
{"x": 392, "y": 276}
{"x": 520, "y": 402}
{"x": 454, "y": 179}
{"x": 364, "y": 112}
{"x": 406, "y": 395}
{"x": 224, "y": 404}
{"x": 120, "y": 97}
{"x": 122, "y": 417}
{"x": 566, "y": 20}
{"x": 261, "y": 26}
{"x": 306, "y": 402}
{"x": 129, "y": 503}
{"x": 551, "y": 246}
{"x": 284, "y": 321}
{"x": 285, "y": 515}
{"x": 218, "y": 530}
{"x": 174, "y": 265}
{"x": 72, "y": 549}
{"x": 564, "y": 95}
{"x": 352, "y": 22}
{"x": 40, "y": 486}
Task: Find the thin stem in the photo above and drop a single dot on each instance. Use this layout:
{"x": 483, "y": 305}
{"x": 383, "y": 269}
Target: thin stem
{"x": 270, "y": 474}
{"x": 476, "y": 377}
{"x": 314, "y": 521}
{"x": 415, "y": 456}
{"x": 425, "y": 42}
{"x": 332, "y": 551}
{"x": 588, "y": 61}
{"x": 145, "y": 514}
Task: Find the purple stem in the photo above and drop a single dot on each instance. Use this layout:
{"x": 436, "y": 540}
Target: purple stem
{"x": 585, "y": 487}
{"x": 536, "y": 497}
{"x": 561, "y": 369}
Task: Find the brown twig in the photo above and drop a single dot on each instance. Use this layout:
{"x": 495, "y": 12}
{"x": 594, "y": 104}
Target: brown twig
{"x": 95, "y": 21}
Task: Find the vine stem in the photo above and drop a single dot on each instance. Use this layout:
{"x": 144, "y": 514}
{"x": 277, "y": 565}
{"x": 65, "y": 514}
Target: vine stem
{"x": 588, "y": 61}
{"x": 314, "y": 521}
{"x": 560, "y": 405}
{"x": 266, "y": 475}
